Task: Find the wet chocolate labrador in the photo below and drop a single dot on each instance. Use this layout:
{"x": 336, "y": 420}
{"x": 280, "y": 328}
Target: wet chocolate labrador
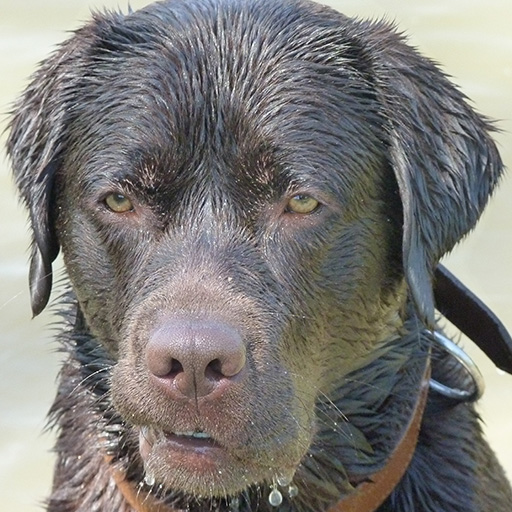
{"x": 251, "y": 198}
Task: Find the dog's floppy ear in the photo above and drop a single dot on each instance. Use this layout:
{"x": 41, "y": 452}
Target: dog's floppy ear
{"x": 36, "y": 144}
{"x": 444, "y": 160}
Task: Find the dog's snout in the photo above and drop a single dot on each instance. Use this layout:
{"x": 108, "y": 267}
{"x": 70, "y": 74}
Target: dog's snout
{"x": 191, "y": 358}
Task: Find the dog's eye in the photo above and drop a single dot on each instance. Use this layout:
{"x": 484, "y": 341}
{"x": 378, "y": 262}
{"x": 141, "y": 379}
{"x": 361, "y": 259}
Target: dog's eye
{"x": 302, "y": 203}
{"x": 118, "y": 203}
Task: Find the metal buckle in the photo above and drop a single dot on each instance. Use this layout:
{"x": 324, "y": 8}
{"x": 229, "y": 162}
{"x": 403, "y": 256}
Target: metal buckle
{"x": 462, "y": 395}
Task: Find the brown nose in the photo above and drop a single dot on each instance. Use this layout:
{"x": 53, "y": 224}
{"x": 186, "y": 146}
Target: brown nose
{"x": 192, "y": 358}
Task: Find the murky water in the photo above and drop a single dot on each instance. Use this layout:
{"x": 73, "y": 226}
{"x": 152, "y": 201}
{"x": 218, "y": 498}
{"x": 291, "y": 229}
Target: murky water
{"x": 471, "y": 39}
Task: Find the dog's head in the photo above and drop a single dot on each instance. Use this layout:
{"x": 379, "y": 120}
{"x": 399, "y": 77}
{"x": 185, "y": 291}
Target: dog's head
{"x": 246, "y": 196}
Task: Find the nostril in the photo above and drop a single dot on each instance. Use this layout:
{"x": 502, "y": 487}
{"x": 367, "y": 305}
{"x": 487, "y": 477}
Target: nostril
{"x": 160, "y": 360}
{"x": 175, "y": 368}
{"x": 215, "y": 367}
{"x": 229, "y": 365}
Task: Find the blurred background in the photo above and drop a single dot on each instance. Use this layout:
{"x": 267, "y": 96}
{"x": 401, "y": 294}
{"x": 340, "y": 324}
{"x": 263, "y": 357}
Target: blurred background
{"x": 473, "y": 42}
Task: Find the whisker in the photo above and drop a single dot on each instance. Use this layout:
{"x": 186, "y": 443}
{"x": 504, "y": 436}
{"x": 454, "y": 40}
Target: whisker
{"x": 90, "y": 376}
{"x": 11, "y": 299}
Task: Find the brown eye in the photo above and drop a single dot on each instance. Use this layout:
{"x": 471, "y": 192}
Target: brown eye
{"x": 118, "y": 203}
{"x": 302, "y": 203}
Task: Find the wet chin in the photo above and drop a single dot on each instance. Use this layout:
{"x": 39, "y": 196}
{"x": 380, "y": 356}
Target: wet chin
{"x": 200, "y": 466}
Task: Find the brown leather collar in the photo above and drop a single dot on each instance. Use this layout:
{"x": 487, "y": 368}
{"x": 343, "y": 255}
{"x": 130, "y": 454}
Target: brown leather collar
{"x": 366, "y": 497}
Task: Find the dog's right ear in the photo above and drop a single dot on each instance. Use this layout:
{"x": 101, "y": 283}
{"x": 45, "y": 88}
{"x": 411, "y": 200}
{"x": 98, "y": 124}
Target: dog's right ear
{"x": 35, "y": 146}
{"x": 37, "y": 142}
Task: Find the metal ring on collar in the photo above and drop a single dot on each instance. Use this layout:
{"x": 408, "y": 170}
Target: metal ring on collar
{"x": 462, "y": 395}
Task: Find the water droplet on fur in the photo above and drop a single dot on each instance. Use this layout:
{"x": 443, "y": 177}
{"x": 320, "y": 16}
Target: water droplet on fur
{"x": 283, "y": 480}
{"x": 275, "y": 498}
{"x": 293, "y": 490}
{"x": 149, "y": 479}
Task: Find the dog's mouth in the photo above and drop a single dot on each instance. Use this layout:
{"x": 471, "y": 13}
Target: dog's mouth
{"x": 165, "y": 453}
{"x": 190, "y": 434}
{"x": 197, "y": 462}
{"x": 191, "y": 440}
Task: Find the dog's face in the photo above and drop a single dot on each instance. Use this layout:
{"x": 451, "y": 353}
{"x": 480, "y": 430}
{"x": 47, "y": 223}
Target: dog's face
{"x": 232, "y": 244}
{"x": 236, "y": 192}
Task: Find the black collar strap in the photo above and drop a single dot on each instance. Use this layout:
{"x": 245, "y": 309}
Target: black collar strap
{"x": 469, "y": 314}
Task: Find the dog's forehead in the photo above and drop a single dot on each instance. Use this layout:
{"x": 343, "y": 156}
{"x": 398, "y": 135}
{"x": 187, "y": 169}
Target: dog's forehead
{"x": 179, "y": 87}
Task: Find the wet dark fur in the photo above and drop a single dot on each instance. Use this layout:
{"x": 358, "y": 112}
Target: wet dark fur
{"x": 210, "y": 115}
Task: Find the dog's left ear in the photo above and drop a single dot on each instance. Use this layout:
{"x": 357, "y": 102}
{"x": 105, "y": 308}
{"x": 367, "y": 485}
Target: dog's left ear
{"x": 444, "y": 160}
